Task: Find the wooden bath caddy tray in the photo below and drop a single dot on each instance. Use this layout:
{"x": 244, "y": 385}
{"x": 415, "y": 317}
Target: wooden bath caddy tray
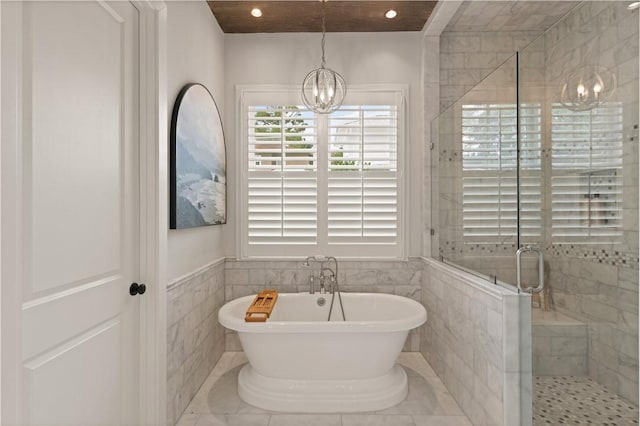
{"x": 261, "y": 307}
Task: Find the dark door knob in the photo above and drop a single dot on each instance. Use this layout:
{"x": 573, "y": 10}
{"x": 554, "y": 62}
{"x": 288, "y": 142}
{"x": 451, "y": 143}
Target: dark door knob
{"x": 136, "y": 288}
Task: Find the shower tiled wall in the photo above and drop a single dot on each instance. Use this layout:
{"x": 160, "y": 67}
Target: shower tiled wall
{"x": 598, "y": 282}
{"x": 606, "y": 298}
{"x": 245, "y": 277}
{"x": 468, "y": 57}
{"x": 478, "y": 340}
{"x": 195, "y": 340}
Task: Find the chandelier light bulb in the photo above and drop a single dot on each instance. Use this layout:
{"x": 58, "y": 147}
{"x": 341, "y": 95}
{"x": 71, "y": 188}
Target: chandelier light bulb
{"x": 597, "y": 88}
{"x": 582, "y": 92}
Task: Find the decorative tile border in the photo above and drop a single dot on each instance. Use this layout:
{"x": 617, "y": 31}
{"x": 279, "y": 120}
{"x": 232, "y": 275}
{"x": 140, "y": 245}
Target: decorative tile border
{"x": 595, "y": 254}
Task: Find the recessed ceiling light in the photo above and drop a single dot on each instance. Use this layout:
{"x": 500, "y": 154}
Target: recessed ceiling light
{"x": 633, "y": 5}
{"x": 256, "y": 13}
{"x": 391, "y": 14}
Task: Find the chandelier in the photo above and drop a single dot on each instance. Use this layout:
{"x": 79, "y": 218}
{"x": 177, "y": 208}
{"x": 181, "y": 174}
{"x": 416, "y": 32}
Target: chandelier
{"x": 323, "y": 89}
{"x": 587, "y": 87}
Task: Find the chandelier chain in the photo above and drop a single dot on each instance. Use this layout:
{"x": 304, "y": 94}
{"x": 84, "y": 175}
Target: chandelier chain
{"x": 323, "y": 89}
{"x": 323, "y": 32}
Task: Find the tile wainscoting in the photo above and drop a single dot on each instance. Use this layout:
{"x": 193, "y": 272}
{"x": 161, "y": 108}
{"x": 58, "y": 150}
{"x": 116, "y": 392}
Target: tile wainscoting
{"x": 195, "y": 340}
{"x": 478, "y": 340}
{"x": 471, "y": 337}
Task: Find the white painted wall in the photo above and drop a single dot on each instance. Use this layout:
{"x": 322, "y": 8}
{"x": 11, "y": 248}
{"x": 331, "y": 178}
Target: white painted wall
{"x": 195, "y": 54}
{"x": 361, "y": 58}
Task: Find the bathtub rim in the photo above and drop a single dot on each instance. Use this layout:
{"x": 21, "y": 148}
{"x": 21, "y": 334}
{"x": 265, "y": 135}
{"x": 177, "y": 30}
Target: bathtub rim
{"x": 228, "y": 320}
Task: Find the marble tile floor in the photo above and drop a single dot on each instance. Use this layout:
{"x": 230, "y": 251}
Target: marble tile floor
{"x": 577, "y": 400}
{"x": 428, "y": 403}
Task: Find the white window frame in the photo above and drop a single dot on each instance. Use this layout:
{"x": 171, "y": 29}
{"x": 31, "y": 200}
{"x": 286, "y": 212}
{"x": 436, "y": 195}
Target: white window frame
{"x": 270, "y": 94}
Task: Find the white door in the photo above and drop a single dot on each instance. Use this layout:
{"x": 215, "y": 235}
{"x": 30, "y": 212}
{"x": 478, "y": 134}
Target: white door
{"x": 70, "y": 231}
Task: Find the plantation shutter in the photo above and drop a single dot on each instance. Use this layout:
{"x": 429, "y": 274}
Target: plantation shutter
{"x": 327, "y": 184}
{"x": 489, "y": 163}
{"x": 282, "y": 175}
{"x": 586, "y": 183}
{"x": 363, "y": 175}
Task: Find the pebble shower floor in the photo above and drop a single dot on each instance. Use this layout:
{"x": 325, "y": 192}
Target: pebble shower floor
{"x": 579, "y": 401}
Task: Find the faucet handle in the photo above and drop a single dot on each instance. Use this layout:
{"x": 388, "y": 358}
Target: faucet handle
{"x": 322, "y": 288}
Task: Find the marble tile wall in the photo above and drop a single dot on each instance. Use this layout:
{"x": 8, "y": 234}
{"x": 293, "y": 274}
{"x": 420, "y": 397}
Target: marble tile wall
{"x": 597, "y": 283}
{"x": 560, "y": 349}
{"x": 605, "y": 297}
{"x": 245, "y": 277}
{"x": 468, "y": 57}
{"x": 478, "y": 340}
{"x": 479, "y": 15}
{"x": 195, "y": 340}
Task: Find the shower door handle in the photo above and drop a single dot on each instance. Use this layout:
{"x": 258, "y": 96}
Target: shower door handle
{"x": 519, "y": 253}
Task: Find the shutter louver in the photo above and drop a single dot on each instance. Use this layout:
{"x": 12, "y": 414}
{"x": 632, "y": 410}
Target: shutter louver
{"x": 489, "y": 161}
{"x": 586, "y": 184}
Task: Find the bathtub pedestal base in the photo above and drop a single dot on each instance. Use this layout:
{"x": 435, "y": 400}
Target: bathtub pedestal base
{"x": 322, "y": 396}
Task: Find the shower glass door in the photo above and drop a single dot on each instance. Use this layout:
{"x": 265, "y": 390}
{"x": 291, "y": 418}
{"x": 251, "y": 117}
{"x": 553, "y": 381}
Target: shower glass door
{"x": 474, "y": 169}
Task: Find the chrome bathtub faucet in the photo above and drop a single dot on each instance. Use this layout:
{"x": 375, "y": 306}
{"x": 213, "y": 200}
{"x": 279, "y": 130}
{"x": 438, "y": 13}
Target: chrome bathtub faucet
{"x": 325, "y": 273}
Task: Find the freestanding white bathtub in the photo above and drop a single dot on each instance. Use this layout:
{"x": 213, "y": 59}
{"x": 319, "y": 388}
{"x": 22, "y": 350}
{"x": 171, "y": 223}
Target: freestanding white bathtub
{"x": 300, "y": 362}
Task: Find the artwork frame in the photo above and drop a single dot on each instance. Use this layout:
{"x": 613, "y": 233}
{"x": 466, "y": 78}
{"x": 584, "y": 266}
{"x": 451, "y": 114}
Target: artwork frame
{"x": 198, "y": 163}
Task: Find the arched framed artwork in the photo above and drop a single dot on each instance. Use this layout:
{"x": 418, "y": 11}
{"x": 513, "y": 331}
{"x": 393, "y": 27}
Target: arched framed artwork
{"x": 198, "y": 177}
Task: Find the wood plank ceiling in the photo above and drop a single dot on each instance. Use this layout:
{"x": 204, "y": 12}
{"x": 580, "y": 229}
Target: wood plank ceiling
{"x": 305, "y": 16}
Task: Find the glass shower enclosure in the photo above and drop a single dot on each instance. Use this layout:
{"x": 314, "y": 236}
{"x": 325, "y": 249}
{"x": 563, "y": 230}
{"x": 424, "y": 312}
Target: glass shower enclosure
{"x": 535, "y": 188}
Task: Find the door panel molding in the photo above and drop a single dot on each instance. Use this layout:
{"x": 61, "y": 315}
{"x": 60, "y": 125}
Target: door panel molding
{"x": 71, "y": 288}
{"x": 107, "y": 297}
{"x": 76, "y": 401}
{"x": 39, "y": 360}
